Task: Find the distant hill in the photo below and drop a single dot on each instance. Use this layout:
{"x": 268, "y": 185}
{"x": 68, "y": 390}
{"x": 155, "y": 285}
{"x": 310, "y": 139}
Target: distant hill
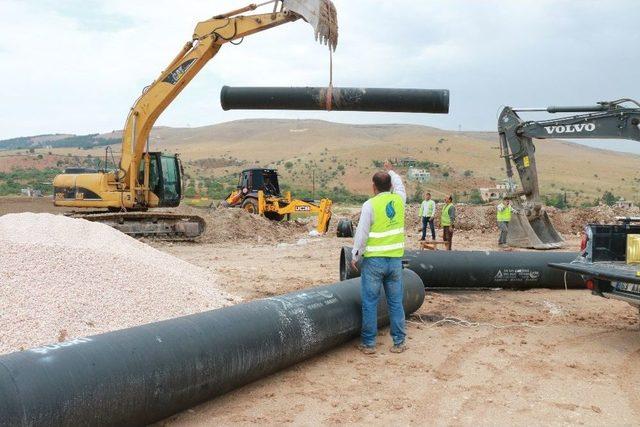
{"x": 55, "y": 141}
{"x": 337, "y": 155}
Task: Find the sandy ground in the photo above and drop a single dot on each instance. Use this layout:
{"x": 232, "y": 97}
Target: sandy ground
{"x": 537, "y": 357}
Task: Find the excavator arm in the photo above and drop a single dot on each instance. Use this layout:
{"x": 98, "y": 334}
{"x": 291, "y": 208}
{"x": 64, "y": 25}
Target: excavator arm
{"x": 607, "y": 120}
{"x": 208, "y": 38}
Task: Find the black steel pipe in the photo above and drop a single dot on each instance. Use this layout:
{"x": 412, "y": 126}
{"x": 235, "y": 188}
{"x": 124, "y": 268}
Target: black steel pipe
{"x": 342, "y": 99}
{"x": 144, "y": 374}
{"x": 483, "y": 269}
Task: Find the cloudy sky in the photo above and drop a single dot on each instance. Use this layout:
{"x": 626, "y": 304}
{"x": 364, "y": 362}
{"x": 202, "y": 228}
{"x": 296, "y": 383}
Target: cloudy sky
{"x": 76, "y": 66}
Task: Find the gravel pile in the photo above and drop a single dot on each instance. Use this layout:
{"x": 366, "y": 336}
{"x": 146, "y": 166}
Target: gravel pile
{"x": 62, "y": 278}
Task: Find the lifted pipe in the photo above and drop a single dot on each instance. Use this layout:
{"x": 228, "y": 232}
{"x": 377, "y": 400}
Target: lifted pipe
{"x": 340, "y": 99}
{"x": 144, "y": 374}
{"x": 483, "y": 269}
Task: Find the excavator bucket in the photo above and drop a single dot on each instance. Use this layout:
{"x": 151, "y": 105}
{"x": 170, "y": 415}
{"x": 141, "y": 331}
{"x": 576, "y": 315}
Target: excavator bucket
{"x": 321, "y": 14}
{"x": 536, "y": 232}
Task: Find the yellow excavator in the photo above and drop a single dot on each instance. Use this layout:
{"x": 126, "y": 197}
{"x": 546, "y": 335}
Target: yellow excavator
{"x": 258, "y": 192}
{"x": 146, "y": 179}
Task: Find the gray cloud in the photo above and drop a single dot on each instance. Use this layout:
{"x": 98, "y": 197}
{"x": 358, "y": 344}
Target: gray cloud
{"x": 66, "y": 76}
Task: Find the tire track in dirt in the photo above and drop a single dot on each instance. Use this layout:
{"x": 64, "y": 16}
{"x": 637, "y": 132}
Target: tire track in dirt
{"x": 631, "y": 364}
{"x": 449, "y": 369}
{"x": 629, "y": 380}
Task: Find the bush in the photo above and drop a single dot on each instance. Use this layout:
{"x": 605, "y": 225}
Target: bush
{"x": 557, "y": 200}
{"x": 12, "y": 182}
{"x": 608, "y": 198}
{"x": 475, "y": 198}
{"x": 337, "y": 194}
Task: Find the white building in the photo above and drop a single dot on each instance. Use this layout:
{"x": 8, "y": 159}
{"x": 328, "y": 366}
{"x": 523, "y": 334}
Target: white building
{"x": 624, "y": 204}
{"x": 489, "y": 194}
{"x": 496, "y": 193}
{"x": 420, "y": 175}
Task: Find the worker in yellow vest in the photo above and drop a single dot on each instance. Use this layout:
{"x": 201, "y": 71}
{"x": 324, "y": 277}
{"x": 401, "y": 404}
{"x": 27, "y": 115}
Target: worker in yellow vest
{"x": 447, "y": 221}
{"x": 379, "y": 241}
{"x": 503, "y": 213}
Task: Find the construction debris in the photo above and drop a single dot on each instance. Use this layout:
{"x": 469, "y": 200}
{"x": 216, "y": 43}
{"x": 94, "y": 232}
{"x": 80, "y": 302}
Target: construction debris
{"x": 234, "y": 225}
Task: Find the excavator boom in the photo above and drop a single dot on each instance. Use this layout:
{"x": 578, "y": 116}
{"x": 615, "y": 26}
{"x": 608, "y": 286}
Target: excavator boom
{"x": 146, "y": 180}
{"x": 531, "y": 227}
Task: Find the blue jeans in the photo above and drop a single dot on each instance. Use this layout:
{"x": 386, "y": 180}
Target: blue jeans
{"x": 379, "y": 272}
{"x": 428, "y": 220}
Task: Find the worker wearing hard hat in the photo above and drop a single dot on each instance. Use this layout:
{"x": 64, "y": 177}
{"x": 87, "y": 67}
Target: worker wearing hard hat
{"x": 379, "y": 241}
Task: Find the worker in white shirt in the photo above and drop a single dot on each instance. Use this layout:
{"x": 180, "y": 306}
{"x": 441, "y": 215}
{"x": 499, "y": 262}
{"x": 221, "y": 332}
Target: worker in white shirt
{"x": 379, "y": 241}
{"x": 428, "y": 213}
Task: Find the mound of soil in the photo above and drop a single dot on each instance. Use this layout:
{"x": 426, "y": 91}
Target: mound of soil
{"x": 233, "y": 225}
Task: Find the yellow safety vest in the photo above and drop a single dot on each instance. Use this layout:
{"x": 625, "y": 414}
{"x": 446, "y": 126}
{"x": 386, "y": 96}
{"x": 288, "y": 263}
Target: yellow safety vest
{"x": 386, "y": 236}
{"x": 445, "y": 219}
{"x": 504, "y": 215}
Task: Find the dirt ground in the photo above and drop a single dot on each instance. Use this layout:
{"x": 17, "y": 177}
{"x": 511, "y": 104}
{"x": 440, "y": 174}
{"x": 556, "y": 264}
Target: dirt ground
{"x": 538, "y": 357}
{"x": 28, "y": 204}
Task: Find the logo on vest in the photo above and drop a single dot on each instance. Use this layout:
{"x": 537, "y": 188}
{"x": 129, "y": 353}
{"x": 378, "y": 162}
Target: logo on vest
{"x": 390, "y": 210}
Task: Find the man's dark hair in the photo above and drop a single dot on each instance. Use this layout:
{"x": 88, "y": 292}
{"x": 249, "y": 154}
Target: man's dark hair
{"x": 382, "y": 181}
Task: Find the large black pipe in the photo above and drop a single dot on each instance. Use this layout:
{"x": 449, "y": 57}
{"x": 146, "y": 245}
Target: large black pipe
{"x": 483, "y": 269}
{"x": 144, "y": 374}
{"x": 342, "y": 99}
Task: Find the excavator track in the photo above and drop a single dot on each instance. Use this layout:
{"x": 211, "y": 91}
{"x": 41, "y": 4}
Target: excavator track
{"x": 155, "y": 225}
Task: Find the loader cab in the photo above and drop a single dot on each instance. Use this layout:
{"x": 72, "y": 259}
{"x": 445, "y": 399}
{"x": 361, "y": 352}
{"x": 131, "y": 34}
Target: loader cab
{"x": 256, "y": 179}
{"x": 165, "y": 178}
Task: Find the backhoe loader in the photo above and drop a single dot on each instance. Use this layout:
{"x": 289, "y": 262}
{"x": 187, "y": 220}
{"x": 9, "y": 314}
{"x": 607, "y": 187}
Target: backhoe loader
{"x": 530, "y": 227}
{"x": 145, "y": 179}
{"x": 258, "y": 192}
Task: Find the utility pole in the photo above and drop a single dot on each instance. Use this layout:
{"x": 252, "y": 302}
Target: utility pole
{"x": 313, "y": 183}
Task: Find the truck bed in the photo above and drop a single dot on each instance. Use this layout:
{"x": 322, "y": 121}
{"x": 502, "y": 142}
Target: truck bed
{"x": 616, "y": 279}
{"x": 604, "y": 270}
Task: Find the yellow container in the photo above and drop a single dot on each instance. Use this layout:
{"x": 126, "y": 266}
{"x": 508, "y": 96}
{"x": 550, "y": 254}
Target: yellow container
{"x": 633, "y": 248}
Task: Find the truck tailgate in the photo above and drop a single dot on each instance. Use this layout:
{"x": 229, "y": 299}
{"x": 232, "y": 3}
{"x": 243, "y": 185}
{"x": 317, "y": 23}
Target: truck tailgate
{"x": 602, "y": 270}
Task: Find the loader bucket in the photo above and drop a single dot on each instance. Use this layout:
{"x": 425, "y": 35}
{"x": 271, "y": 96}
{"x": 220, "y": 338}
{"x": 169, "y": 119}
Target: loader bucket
{"x": 535, "y": 233}
{"x": 322, "y": 16}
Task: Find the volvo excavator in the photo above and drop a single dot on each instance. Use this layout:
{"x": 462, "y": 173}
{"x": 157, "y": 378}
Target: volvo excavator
{"x": 145, "y": 179}
{"x": 530, "y": 227}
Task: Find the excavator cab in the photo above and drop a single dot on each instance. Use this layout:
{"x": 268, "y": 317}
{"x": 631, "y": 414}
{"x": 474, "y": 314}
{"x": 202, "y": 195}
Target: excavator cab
{"x": 165, "y": 178}
{"x": 265, "y": 180}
